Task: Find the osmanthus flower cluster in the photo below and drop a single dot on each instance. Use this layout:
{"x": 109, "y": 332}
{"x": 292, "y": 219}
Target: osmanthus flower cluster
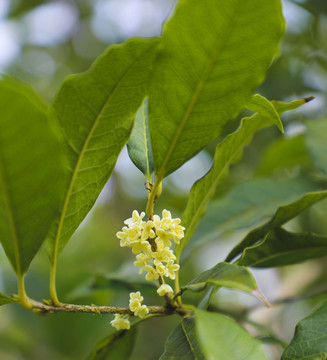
{"x": 151, "y": 242}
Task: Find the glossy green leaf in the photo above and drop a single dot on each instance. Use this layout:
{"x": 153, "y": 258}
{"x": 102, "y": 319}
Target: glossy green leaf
{"x": 31, "y": 170}
{"x": 182, "y": 343}
{"x": 263, "y": 106}
{"x": 139, "y": 145}
{"x": 316, "y": 140}
{"x": 96, "y": 111}
{"x": 245, "y": 205}
{"x": 281, "y": 247}
{"x": 310, "y": 339}
{"x": 226, "y": 153}
{"x": 223, "y": 339}
{"x": 283, "y": 215}
{"x": 284, "y": 154}
{"x": 4, "y": 299}
{"x": 207, "y": 68}
{"x": 117, "y": 346}
{"x": 226, "y": 275}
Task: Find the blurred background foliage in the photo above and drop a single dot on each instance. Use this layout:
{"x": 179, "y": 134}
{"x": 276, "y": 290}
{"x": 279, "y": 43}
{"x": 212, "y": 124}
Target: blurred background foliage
{"x": 41, "y": 42}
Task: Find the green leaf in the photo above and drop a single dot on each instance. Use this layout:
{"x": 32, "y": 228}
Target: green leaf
{"x": 223, "y": 339}
{"x": 274, "y": 159}
{"x": 4, "y": 299}
{"x": 139, "y": 146}
{"x": 226, "y": 153}
{"x": 310, "y": 339}
{"x": 226, "y": 275}
{"x": 31, "y": 172}
{"x": 317, "y": 143}
{"x": 182, "y": 343}
{"x": 281, "y": 106}
{"x": 280, "y": 248}
{"x": 244, "y": 206}
{"x": 207, "y": 68}
{"x": 261, "y": 105}
{"x": 117, "y": 346}
{"x": 283, "y": 214}
{"x": 96, "y": 113}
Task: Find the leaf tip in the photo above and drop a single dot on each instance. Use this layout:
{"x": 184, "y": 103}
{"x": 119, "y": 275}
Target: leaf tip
{"x": 259, "y": 295}
{"x": 309, "y": 98}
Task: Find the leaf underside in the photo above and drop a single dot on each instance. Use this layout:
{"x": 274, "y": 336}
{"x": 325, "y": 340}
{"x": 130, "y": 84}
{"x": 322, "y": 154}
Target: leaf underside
{"x": 281, "y": 248}
{"x": 227, "y": 275}
{"x": 245, "y": 205}
{"x": 283, "y": 215}
{"x": 182, "y": 343}
{"x": 139, "y": 145}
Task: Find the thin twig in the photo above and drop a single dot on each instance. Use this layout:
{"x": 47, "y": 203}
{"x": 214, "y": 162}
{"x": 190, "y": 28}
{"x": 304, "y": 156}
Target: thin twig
{"x": 46, "y": 308}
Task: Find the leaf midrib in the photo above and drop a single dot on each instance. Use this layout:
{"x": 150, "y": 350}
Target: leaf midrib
{"x": 194, "y": 99}
{"x": 11, "y": 217}
{"x": 189, "y": 342}
{"x": 81, "y": 155}
{"x": 145, "y": 144}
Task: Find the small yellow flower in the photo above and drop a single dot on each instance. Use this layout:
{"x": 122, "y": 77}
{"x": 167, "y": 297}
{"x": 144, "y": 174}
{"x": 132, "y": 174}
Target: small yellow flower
{"x": 163, "y": 255}
{"x": 134, "y": 305}
{"x": 136, "y": 296}
{"x": 142, "y": 311}
{"x": 163, "y": 237}
{"x": 156, "y": 221}
{"x": 147, "y": 230}
{"x": 135, "y": 219}
{"x": 161, "y": 269}
{"x": 141, "y": 246}
{"x": 152, "y": 273}
{"x": 142, "y": 260}
{"x": 120, "y": 322}
{"x": 165, "y": 289}
{"x": 135, "y": 301}
{"x": 133, "y": 232}
{"x": 171, "y": 268}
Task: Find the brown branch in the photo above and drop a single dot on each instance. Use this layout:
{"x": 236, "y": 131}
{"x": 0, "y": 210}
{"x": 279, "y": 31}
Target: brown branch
{"x": 43, "y": 308}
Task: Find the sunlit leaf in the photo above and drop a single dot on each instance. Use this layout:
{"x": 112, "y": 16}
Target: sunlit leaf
{"x": 207, "y": 69}
{"x": 281, "y": 247}
{"x": 310, "y": 339}
{"x": 226, "y": 275}
{"x": 182, "y": 343}
{"x": 263, "y": 106}
{"x": 139, "y": 146}
{"x": 96, "y": 111}
{"x": 223, "y": 339}
{"x": 31, "y": 170}
{"x": 226, "y": 153}
{"x": 283, "y": 214}
{"x": 117, "y": 346}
